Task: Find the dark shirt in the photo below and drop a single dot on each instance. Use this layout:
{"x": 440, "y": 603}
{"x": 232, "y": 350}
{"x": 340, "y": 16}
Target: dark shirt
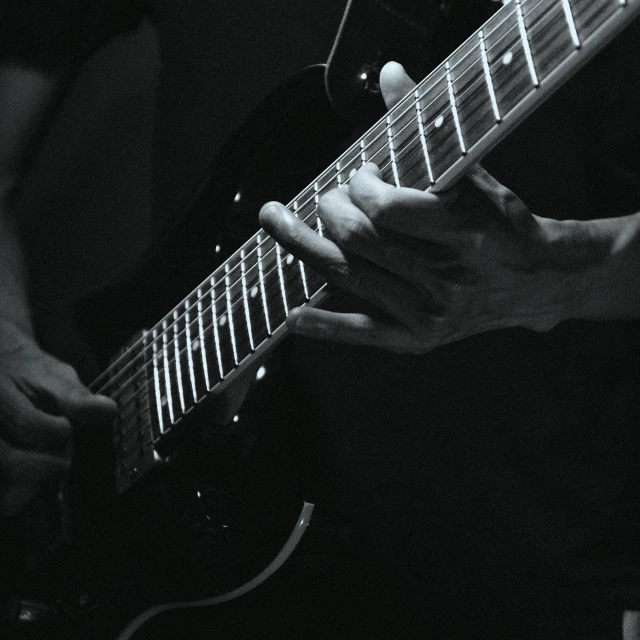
{"x": 497, "y": 477}
{"x": 57, "y": 35}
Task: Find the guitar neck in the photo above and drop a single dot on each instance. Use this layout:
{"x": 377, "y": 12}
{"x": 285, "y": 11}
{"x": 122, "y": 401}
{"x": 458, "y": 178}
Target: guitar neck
{"x": 467, "y": 105}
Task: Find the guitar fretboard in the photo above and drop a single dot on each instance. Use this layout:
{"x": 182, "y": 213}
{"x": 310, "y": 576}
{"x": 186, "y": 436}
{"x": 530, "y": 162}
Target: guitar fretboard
{"x": 452, "y": 118}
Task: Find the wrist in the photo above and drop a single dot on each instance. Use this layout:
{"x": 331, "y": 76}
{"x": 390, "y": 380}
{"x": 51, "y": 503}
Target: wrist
{"x": 597, "y": 265}
{"x": 15, "y": 333}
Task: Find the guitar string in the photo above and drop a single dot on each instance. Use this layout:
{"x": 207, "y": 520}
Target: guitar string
{"x": 235, "y": 307}
{"x": 355, "y": 148}
{"x": 241, "y": 299}
{"x": 551, "y": 6}
{"x": 472, "y": 86}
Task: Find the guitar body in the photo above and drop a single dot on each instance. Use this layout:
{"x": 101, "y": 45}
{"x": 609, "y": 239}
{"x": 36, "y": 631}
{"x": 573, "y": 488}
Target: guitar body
{"x": 227, "y": 496}
{"x": 219, "y": 511}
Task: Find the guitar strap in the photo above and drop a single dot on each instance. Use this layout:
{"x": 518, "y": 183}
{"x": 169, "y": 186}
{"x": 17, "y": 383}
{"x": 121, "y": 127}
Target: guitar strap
{"x": 372, "y": 32}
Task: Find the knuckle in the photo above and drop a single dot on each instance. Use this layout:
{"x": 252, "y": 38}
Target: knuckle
{"x": 352, "y": 231}
{"x": 339, "y": 273}
{"x": 328, "y": 200}
{"x": 364, "y": 197}
{"x": 376, "y": 206}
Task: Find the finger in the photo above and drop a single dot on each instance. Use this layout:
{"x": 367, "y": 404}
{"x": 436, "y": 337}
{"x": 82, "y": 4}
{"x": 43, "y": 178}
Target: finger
{"x": 411, "y": 259}
{"x": 347, "y": 225}
{"x": 26, "y": 426}
{"x": 78, "y": 404}
{"x": 416, "y": 213}
{"x": 351, "y": 328}
{"x": 394, "y": 83}
{"x": 386, "y": 291}
{"x": 296, "y": 237}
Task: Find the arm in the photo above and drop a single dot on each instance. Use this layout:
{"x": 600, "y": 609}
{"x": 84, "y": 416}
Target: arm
{"x": 441, "y": 267}
{"x": 26, "y": 97}
{"x": 40, "y": 396}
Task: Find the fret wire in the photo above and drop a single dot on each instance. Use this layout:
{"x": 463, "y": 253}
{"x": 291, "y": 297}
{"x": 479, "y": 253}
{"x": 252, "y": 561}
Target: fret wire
{"x": 203, "y": 349}
{"x": 488, "y": 78}
{"x": 423, "y": 137}
{"x": 200, "y": 294}
{"x": 281, "y": 278}
{"x": 177, "y": 360}
{"x": 232, "y": 330}
{"x": 303, "y": 275}
{"x": 259, "y": 239}
{"x": 192, "y": 375}
{"x": 167, "y": 379}
{"x": 571, "y": 23}
{"x": 316, "y": 200}
{"x": 454, "y": 109}
{"x": 525, "y": 44}
{"x": 214, "y": 326}
{"x": 362, "y": 154}
{"x": 156, "y": 382}
{"x": 392, "y": 152}
{"x": 261, "y": 278}
{"x": 246, "y": 299}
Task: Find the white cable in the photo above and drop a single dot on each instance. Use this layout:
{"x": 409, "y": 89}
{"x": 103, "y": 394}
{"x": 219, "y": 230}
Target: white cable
{"x": 270, "y": 569}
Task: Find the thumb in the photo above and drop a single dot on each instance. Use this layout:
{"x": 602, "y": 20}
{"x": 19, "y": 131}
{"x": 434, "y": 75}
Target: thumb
{"x": 80, "y": 405}
{"x": 394, "y": 83}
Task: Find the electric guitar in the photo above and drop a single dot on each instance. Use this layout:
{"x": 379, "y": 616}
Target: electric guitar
{"x": 165, "y": 378}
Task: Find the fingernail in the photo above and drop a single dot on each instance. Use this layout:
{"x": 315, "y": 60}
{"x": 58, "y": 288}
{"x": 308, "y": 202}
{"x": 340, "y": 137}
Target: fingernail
{"x": 270, "y": 217}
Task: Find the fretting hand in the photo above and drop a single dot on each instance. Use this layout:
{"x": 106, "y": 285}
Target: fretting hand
{"x": 438, "y": 267}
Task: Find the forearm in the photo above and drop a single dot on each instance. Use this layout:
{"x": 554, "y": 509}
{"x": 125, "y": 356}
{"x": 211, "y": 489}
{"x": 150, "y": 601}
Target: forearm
{"x": 27, "y": 97}
{"x": 14, "y": 303}
{"x": 601, "y": 262}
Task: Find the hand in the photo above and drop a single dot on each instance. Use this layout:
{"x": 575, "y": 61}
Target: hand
{"x": 439, "y": 267}
{"x": 40, "y": 399}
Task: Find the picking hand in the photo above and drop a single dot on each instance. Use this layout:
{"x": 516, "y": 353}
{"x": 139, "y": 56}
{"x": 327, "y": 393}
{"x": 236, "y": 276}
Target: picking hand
{"x": 438, "y": 267}
{"x": 40, "y": 398}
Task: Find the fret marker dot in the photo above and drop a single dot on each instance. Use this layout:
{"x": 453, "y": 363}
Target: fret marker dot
{"x": 223, "y": 320}
{"x": 507, "y": 58}
{"x": 254, "y": 292}
{"x": 261, "y": 373}
{"x": 352, "y": 173}
{"x": 218, "y": 248}
{"x": 163, "y": 401}
{"x": 439, "y": 121}
{"x": 236, "y": 418}
{"x": 196, "y": 345}
{"x": 237, "y": 197}
{"x": 289, "y": 259}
